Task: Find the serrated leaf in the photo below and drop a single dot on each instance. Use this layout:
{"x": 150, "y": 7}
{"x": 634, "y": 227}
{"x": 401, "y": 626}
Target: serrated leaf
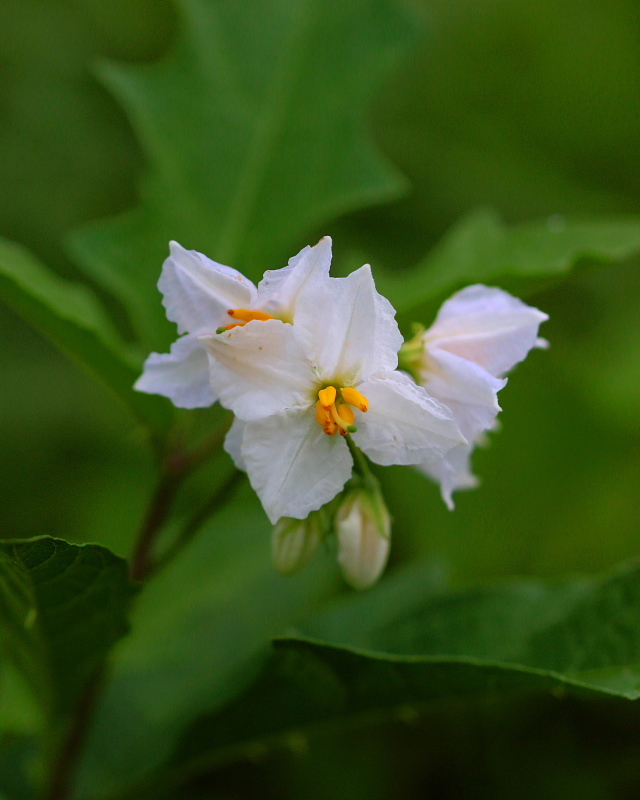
{"x": 480, "y": 248}
{"x": 255, "y": 133}
{"x": 62, "y": 608}
{"x": 581, "y": 636}
{"x": 71, "y": 316}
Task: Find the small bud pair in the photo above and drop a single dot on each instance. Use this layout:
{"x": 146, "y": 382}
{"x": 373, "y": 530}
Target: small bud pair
{"x": 362, "y": 526}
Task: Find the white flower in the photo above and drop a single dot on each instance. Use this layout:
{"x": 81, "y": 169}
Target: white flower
{"x": 363, "y": 530}
{"x": 201, "y": 296}
{"x": 479, "y": 335}
{"x": 293, "y": 388}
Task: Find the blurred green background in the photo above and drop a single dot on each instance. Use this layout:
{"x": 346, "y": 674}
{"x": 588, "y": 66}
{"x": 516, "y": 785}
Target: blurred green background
{"x": 532, "y": 107}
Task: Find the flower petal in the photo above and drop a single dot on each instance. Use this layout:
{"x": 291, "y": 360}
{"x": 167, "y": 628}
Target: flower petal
{"x": 404, "y": 425}
{"x": 233, "y": 443}
{"x": 348, "y": 329}
{"x": 278, "y": 291}
{"x": 181, "y": 375}
{"x": 198, "y": 292}
{"x": 293, "y": 466}
{"x": 260, "y": 369}
{"x": 487, "y": 326}
{"x": 452, "y": 472}
{"x": 447, "y": 376}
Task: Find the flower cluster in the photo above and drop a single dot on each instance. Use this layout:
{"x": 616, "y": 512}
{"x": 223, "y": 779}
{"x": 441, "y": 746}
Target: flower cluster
{"x": 308, "y": 364}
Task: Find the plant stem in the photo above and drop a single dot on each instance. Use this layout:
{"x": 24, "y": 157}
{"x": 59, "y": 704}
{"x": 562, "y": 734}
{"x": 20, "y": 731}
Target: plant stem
{"x": 58, "y": 787}
{"x": 219, "y": 498}
{"x": 361, "y": 465}
{"x": 156, "y": 516}
{"x": 177, "y": 465}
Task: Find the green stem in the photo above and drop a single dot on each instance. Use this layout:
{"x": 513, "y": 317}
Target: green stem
{"x": 175, "y": 467}
{"x": 219, "y": 498}
{"x": 58, "y": 785}
{"x": 361, "y": 465}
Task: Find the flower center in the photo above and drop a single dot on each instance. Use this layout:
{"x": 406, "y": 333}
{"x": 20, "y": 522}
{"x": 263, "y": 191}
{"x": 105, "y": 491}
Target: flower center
{"x": 243, "y": 315}
{"x": 335, "y": 413}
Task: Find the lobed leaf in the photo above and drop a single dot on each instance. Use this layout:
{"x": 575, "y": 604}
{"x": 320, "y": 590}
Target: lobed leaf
{"x": 71, "y": 316}
{"x": 480, "y": 248}
{"x": 62, "y": 608}
{"x": 255, "y": 133}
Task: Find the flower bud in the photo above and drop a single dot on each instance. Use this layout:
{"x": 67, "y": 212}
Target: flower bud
{"x": 294, "y": 541}
{"x": 412, "y": 356}
{"x": 363, "y": 529}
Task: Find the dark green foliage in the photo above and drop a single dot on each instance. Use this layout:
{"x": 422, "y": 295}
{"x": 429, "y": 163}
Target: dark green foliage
{"x": 254, "y": 127}
{"x": 254, "y": 133}
{"x": 63, "y": 607}
{"x": 521, "y": 638}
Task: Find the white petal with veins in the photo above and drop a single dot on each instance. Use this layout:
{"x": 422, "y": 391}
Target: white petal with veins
{"x": 294, "y": 467}
{"x": 403, "y": 425}
{"x": 279, "y": 289}
{"x": 348, "y": 329}
{"x": 487, "y": 326}
{"x": 479, "y": 334}
{"x": 198, "y": 292}
{"x": 181, "y": 375}
{"x": 260, "y": 369}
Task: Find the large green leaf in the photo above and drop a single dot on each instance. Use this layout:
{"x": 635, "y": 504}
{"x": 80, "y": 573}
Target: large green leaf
{"x": 200, "y": 631}
{"x": 62, "y": 607}
{"x": 72, "y": 317}
{"x": 255, "y": 133}
{"x": 482, "y": 249}
{"x": 581, "y": 636}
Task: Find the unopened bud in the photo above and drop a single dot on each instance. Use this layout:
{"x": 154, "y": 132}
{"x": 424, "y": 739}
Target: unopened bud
{"x": 411, "y": 357}
{"x": 294, "y": 541}
{"x": 363, "y": 528}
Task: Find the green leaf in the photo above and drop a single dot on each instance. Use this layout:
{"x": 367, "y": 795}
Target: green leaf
{"x": 582, "y": 636}
{"x": 72, "y": 317}
{"x": 62, "y": 608}
{"x": 254, "y": 126}
{"x": 200, "y": 632}
{"x": 482, "y": 249}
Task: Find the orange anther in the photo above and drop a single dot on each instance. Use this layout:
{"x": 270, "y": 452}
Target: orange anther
{"x": 325, "y": 419}
{"x": 327, "y": 396}
{"x": 248, "y": 314}
{"x": 346, "y": 413}
{"x": 354, "y": 398}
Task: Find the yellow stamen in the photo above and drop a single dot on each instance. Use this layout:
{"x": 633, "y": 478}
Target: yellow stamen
{"x": 339, "y": 419}
{"x": 355, "y": 398}
{"x": 347, "y": 414}
{"x": 325, "y": 419}
{"x": 233, "y": 325}
{"x": 248, "y": 314}
{"x": 333, "y": 417}
{"x": 327, "y": 396}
